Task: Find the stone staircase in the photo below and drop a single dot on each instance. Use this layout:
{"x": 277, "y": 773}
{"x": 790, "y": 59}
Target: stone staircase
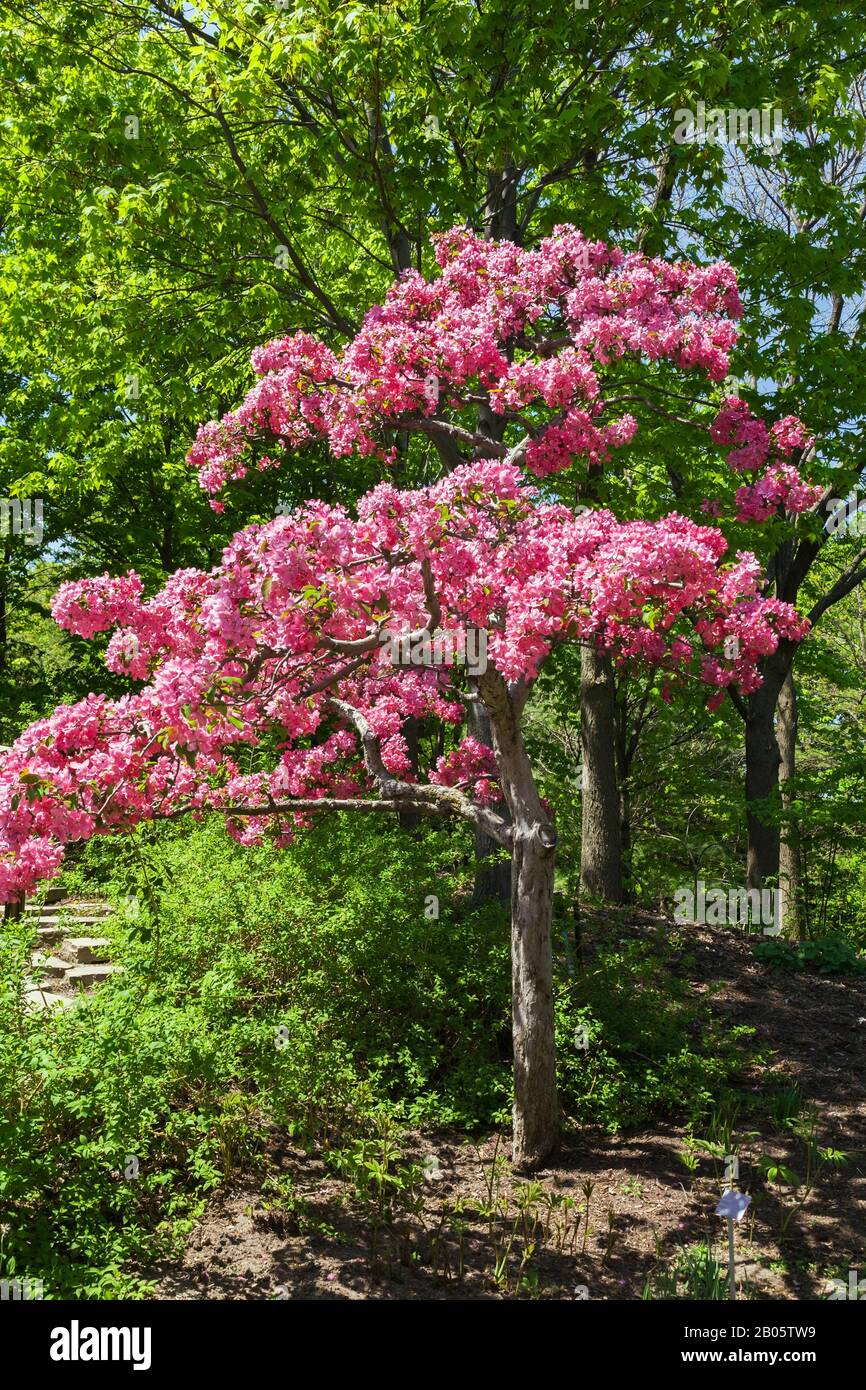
{"x": 70, "y": 956}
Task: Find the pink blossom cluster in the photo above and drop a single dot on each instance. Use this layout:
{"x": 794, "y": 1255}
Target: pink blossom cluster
{"x": 780, "y": 488}
{"x": 577, "y": 435}
{"x": 754, "y": 628}
{"x": 471, "y": 764}
{"x": 94, "y": 605}
{"x": 529, "y": 330}
{"x": 281, "y": 644}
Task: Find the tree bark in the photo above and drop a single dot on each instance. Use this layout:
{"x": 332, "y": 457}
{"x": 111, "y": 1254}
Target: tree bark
{"x": 792, "y": 908}
{"x": 763, "y": 761}
{"x": 411, "y": 820}
{"x": 601, "y": 834}
{"x": 762, "y": 781}
{"x": 625, "y": 748}
{"x": 493, "y": 873}
{"x": 625, "y": 842}
{"x": 536, "y": 1103}
{"x": 500, "y": 210}
{"x": 492, "y": 876}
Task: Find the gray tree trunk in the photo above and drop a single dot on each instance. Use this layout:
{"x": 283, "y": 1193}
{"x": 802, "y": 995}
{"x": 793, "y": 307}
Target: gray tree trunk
{"x": 492, "y": 869}
{"x": 601, "y": 832}
{"x": 762, "y": 781}
{"x": 762, "y": 771}
{"x": 536, "y": 1103}
{"x": 792, "y": 907}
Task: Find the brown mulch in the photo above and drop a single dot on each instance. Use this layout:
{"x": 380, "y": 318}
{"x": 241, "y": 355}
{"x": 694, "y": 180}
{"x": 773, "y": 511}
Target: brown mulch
{"x": 645, "y": 1206}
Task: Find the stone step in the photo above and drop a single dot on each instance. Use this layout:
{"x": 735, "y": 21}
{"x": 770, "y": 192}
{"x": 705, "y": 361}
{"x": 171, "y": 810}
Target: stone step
{"x": 53, "y": 967}
{"x": 85, "y": 950}
{"x": 86, "y": 975}
{"x": 54, "y": 898}
{"x": 48, "y": 935}
{"x": 90, "y": 906}
{"x": 46, "y": 999}
{"x": 64, "y": 923}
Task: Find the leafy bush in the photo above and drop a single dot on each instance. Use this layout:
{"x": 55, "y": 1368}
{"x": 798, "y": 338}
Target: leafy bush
{"x": 314, "y": 989}
{"x": 831, "y": 954}
{"x": 84, "y": 1092}
{"x": 651, "y": 1048}
{"x": 306, "y": 989}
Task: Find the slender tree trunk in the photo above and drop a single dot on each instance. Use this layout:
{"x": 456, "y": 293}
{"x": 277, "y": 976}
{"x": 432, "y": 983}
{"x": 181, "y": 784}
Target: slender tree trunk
{"x": 762, "y": 781}
{"x": 625, "y": 842}
{"x": 493, "y": 873}
{"x": 14, "y": 910}
{"x": 536, "y": 1103}
{"x": 762, "y": 773}
{"x": 500, "y": 211}
{"x": 790, "y": 865}
{"x": 623, "y": 773}
{"x": 601, "y": 836}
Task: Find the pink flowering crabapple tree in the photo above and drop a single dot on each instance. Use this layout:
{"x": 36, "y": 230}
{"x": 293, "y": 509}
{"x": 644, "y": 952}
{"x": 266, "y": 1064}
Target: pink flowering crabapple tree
{"x": 282, "y": 652}
{"x": 282, "y": 645}
{"x": 530, "y": 356}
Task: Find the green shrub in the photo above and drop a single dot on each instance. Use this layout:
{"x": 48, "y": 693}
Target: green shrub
{"x": 652, "y": 1049}
{"x": 306, "y": 989}
{"x": 313, "y": 989}
{"x": 831, "y": 954}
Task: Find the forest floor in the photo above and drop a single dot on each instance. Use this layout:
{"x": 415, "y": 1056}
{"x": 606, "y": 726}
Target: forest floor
{"x": 311, "y": 1234}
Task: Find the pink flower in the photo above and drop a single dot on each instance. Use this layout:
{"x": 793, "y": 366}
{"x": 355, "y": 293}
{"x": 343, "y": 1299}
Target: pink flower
{"x": 249, "y": 655}
{"x": 266, "y": 686}
{"x": 529, "y": 328}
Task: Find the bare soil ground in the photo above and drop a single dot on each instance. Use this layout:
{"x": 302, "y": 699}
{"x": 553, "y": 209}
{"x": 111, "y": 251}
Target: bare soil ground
{"x": 644, "y": 1205}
